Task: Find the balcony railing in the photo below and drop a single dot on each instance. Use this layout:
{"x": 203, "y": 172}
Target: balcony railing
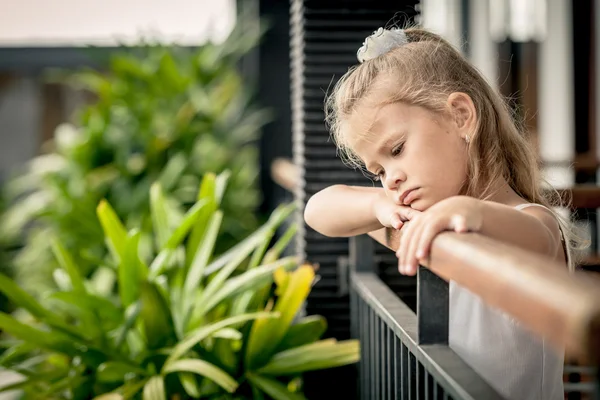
{"x": 406, "y": 355}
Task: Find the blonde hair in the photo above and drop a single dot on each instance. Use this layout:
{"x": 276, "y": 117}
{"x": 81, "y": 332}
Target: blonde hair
{"x": 424, "y": 72}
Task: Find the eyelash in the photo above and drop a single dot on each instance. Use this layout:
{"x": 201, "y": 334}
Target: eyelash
{"x": 396, "y": 151}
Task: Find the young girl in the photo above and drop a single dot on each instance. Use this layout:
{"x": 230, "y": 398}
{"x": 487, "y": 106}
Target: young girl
{"x": 424, "y": 122}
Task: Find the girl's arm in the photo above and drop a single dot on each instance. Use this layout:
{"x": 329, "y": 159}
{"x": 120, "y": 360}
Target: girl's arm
{"x": 533, "y": 229}
{"x": 343, "y": 211}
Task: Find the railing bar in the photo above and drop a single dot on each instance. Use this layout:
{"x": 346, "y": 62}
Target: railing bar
{"x": 377, "y": 358}
{"x": 372, "y": 350}
{"x": 435, "y": 391}
{"x": 426, "y": 377}
{"x": 397, "y": 366}
{"x": 388, "y": 361}
{"x": 363, "y": 350}
{"x": 405, "y": 373}
{"x": 418, "y": 379}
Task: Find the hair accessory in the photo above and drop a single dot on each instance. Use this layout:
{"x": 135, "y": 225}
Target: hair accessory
{"x": 380, "y": 42}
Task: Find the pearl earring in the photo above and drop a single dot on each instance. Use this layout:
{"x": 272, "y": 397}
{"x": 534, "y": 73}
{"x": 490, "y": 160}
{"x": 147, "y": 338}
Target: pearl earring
{"x": 467, "y": 139}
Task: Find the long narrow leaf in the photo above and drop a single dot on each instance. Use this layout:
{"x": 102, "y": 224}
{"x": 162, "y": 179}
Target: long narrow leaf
{"x": 156, "y": 317}
{"x": 23, "y": 299}
{"x": 274, "y": 388}
{"x": 113, "y": 229}
{"x": 306, "y": 330}
{"x": 125, "y": 392}
{"x": 259, "y": 236}
{"x": 189, "y": 220}
{"x": 66, "y": 262}
{"x": 266, "y": 335}
{"x": 221, "y": 185}
{"x": 253, "y": 278}
{"x": 315, "y": 356}
{"x": 201, "y": 333}
{"x": 196, "y": 272}
{"x": 207, "y": 194}
{"x": 190, "y": 384}
{"x": 130, "y": 269}
{"x": 281, "y": 244}
{"x": 203, "y": 368}
{"x": 159, "y": 214}
{"x": 46, "y": 340}
{"x": 115, "y": 371}
{"x": 154, "y": 389}
{"x": 211, "y": 291}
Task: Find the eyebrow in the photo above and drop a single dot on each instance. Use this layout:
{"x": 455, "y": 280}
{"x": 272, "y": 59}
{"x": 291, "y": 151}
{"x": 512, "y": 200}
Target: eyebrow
{"x": 391, "y": 139}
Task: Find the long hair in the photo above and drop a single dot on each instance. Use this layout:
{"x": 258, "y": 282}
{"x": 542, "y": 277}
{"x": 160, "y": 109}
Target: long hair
{"x": 424, "y": 72}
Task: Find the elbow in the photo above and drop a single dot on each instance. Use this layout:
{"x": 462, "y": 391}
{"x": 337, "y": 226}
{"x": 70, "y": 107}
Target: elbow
{"x": 314, "y": 215}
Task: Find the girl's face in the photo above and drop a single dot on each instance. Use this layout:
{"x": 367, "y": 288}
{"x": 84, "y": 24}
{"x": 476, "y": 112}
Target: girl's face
{"x": 419, "y": 156}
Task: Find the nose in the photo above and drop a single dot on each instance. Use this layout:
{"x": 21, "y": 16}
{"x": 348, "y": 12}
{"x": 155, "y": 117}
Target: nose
{"x": 393, "y": 180}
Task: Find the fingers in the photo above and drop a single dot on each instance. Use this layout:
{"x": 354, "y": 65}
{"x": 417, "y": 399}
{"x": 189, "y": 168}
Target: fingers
{"x": 396, "y": 221}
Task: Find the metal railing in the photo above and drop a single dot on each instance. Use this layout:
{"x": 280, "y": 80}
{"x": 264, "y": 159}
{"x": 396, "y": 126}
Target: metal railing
{"x": 405, "y": 355}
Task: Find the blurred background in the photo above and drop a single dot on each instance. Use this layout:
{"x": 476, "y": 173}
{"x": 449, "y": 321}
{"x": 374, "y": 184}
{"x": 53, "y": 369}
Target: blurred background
{"x": 99, "y": 100}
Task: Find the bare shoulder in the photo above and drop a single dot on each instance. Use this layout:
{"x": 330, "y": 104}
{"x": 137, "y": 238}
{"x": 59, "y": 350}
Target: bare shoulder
{"x": 549, "y": 221}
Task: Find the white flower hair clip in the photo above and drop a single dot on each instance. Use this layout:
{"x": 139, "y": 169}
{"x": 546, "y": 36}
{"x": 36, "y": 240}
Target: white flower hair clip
{"x": 380, "y": 42}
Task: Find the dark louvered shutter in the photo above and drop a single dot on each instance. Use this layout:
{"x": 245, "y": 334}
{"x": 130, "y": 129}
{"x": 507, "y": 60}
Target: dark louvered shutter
{"x": 325, "y": 36}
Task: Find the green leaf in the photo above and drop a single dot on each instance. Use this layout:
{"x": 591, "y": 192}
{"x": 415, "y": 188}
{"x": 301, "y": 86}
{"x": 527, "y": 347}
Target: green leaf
{"x": 131, "y": 272}
{"x": 22, "y": 299}
{"x": 160, "y": 263}
{"x": 266, "y": 335}
{"x": 190, "y": 384}
{"x": 113, "y": 229}
{"x": 23, "y": 384}
{"x": 281, "y": 244}
{"x": 172, "y": 171}
{"x": 201, "y": 333}
{"x": 159, "y": 213}
{"x": 206, "y": 193}
{"x": 156, "y": 317}
{"x": 251, "y": 279}
{"x": 221, "y": 185}
{"x": 131, "y": 314}
{"x": 262, "y": 234}
{"x": 201, "y": 258}
{"x": 125, "y": 392}
{"x": 314, "y": 356}
{"x": 67, "y": 263}
{"x": 154, "y": 389}
{"x": 115, "y": 371}
{"x": 228, "y": 333}
{"x": 306, "y": 330}
{"x": 203, "y": 368}
{"x": 189, "y": 220}
{"x": 16, "y": 352}
{"x": 213, "y": 294}
{"x": 273, "y": 388}
{"x": 53, "y": 341}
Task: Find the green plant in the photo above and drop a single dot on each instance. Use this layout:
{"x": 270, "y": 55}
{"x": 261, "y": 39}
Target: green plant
{"x": 181, "y": 323}
{"x": 166, "y": 114}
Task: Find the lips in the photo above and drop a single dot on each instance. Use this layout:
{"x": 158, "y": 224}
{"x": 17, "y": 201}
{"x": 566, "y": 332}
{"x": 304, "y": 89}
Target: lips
{"x": 408, "y": 196}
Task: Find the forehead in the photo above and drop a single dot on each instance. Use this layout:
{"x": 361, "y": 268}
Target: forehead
{"x": 372, "y": 125}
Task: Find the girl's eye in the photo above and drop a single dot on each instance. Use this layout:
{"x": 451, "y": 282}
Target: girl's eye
{"x": 379, "y": 176}
{"x": 397, "y": 150}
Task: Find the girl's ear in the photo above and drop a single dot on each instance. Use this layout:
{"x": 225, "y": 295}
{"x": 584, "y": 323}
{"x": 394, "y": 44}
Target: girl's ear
{"x": 463, "y": 112}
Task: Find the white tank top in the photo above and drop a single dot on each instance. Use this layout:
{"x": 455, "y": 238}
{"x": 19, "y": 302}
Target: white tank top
{"x": 515, "y": 362}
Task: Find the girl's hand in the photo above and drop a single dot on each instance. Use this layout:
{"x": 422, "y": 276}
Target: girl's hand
{"x": 460, "y": 214}
{"x": 390, "y": 214}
